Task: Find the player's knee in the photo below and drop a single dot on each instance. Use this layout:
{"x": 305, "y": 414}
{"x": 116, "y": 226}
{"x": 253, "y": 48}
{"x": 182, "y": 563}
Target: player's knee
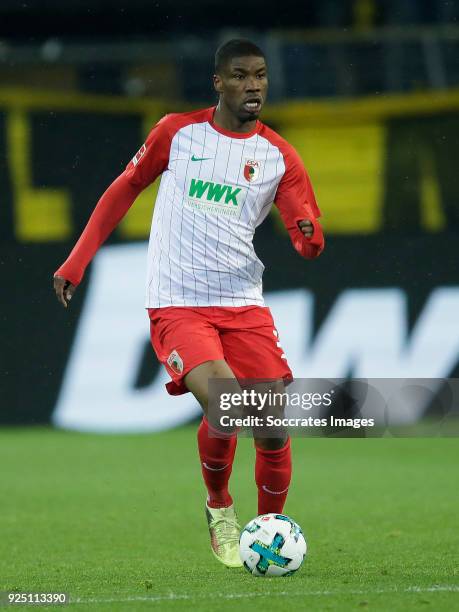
{"x": 214, "y": 368}
{"x": 197, "y": 381}
{"x": 218, "y": 368}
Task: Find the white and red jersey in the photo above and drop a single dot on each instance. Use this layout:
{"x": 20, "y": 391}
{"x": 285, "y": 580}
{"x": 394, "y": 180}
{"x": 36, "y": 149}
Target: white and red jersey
{"x": 216, "y": 188}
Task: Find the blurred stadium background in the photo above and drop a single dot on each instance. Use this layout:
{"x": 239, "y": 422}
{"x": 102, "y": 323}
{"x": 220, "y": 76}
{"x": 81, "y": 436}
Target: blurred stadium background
{"x": 367, "y": 91}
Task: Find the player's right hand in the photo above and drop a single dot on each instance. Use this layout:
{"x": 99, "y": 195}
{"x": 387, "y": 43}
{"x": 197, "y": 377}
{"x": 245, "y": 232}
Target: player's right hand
{"x": 64, "y": 290}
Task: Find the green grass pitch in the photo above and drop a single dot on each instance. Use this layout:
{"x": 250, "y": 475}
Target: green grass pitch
{"x": 118, "y": 523}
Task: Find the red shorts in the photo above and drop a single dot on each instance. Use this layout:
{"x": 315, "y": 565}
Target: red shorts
{"x": 245, "y": 337}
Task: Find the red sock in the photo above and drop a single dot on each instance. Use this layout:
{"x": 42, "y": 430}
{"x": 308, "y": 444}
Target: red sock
{"x": 273, "y": 470}
{"x": 217, "y": 454}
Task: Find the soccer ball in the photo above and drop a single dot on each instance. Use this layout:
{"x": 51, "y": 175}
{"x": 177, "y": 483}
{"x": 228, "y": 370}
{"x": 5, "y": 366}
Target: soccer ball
{"x": 272, "y": 545}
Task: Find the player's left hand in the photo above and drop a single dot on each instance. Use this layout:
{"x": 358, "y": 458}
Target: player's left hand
{"x": 64, "y": 290}
{"x": 306, "y": 227}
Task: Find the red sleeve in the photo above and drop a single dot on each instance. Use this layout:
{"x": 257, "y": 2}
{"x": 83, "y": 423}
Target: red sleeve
{"x": 148, "y": 163}
{"x": 296, "y": 201}
{"x": 153, "y": 157}
{"x": 110, "y": 209}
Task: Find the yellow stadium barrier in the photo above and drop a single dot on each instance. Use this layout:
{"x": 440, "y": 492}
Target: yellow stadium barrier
{"x": 343, "y": 145}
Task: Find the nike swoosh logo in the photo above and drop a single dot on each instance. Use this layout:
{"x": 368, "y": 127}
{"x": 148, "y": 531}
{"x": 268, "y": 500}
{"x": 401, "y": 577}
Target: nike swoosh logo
{"x": 194, "y": 158}
{"x": 213, "y": 469}
{"x": 265, "y": 488}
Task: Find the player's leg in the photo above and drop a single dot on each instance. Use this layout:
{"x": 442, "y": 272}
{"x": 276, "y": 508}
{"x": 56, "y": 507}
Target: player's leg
{"x": 273, "y": 463}
{"x": 216, "y": 452}
{"x": 253, "y": 351}
{"x": 273, "y": 472}
{"x": 216, "y": 449}
{"x": 187, "y": 343}
{"x": 197, "y": 380}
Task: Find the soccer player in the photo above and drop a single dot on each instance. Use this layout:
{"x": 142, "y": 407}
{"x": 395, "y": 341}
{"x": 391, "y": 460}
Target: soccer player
{"x": 221, "y": 169}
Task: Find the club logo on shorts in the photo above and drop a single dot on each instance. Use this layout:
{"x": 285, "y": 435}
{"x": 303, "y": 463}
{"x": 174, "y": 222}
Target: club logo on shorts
{"x": 175, "y": 362}
{"x": 251, "y": 170}
{"x": 140, "y": 153}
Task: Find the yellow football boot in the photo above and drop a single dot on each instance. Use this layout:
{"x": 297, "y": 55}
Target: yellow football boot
{"x": 224, "y": 531}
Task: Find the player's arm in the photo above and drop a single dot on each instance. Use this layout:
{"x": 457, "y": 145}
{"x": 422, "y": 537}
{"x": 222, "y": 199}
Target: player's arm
{"x": 298, "y": 207}
{"x": 150, "y": 161}
{"x": 110, "y": 209}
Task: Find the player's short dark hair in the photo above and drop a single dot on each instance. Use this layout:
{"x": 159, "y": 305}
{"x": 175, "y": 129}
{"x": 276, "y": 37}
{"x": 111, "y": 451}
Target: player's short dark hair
{"x": 237, "y": 47}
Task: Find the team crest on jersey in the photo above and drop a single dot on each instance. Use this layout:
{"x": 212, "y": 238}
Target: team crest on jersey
{"x": 251, "y": 170}
{"x": 175, "y": 362}
{"x": 140, "y": 153}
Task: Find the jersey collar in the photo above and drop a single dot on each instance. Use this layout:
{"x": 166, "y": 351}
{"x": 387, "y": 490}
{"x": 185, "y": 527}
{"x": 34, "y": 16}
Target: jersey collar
{"x": 230, "y": 134}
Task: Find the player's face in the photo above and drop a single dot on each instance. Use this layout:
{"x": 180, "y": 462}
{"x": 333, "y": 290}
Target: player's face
{"x": 243, "y": 85}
